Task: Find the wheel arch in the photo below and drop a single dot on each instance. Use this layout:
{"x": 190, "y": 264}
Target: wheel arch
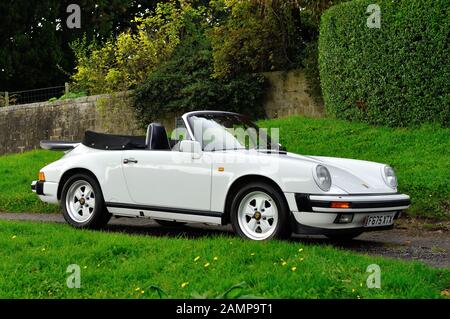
{"x": 71, "y": 172}
{"x": 239, "y": 182}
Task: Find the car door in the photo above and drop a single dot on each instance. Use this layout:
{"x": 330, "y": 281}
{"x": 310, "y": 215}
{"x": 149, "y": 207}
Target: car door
{"x": 167, "y": 179}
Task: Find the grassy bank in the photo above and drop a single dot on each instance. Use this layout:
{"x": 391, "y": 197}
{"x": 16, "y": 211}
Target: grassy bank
{"x": 420, "y": 156}
{"x": 17, "y": 171}
{"x": 34, "y": 258}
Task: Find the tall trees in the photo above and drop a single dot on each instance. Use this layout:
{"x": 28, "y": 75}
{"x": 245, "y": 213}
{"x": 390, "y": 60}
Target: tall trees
{"x": 34, "y": 38}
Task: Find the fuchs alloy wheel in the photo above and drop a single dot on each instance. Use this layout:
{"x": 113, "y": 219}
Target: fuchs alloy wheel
{"x": 82, "y": 203}
{"x": 259, "y": 212}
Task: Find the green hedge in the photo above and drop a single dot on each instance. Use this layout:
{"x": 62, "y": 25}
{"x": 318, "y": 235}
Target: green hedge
{"x": 396, "y": 75}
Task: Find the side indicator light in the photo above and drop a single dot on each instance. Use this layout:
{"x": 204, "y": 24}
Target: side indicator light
{"x": 41, "y": 177}
{"x": 340, "y": 205}
{"x": 221, "y": 169}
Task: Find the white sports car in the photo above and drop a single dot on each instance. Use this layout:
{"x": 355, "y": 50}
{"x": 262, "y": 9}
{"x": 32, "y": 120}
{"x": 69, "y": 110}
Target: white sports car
{"x": 218, "y": 168}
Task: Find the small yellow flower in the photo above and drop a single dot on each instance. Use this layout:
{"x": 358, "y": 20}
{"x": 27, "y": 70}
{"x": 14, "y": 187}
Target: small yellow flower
{"x": 353, "y": 289}
{"x": 14, "y": 237}
{"x": 142, "y": 291}
{"x": 196, "y": 258}
{"x": 137, "y": 289}
{"x": 252, "y": 254}
{"x": 43, "y": 249}
{"x": 206, "y": 265}
{"x": 294, "y": 268}
{"x": 301, "y": 259}
{"x": 184, "y": 284}
{"x": 283, "y": 263}
{"x": 300, "y": 250}
{"x": 216, "y": 258}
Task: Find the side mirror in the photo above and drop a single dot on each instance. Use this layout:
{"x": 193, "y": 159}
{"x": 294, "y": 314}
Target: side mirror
{"x": 194, "y": 147}
{"x": 282, "y": 148}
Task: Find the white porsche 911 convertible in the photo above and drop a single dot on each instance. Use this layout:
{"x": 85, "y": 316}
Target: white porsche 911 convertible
{"x": 218, "y": 168}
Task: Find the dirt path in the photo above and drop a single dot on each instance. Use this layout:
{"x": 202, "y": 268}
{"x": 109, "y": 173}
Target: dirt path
{"x": 431, "y": 247}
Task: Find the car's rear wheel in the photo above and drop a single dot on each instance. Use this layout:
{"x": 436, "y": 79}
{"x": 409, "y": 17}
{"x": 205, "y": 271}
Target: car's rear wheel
{"x": 82, "y": 203}
{"x": 259, "y": 212}
{"x": 169, "y": 223}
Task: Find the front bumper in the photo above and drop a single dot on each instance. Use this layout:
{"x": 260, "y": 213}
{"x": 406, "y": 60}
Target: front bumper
{"x": 47, "y": 191}
{"x": 314, "y": 214}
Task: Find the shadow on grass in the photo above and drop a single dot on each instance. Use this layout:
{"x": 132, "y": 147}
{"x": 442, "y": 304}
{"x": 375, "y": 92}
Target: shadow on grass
{"x": 195, "y": 231}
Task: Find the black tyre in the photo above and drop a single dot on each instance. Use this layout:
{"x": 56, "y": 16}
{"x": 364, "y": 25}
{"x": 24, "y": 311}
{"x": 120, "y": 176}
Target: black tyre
{"x": 260, "y": 212}
{"x": 82, "y": 203}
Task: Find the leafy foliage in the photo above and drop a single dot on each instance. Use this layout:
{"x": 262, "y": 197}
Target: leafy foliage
{"x": 123, "y": 62}
{"x": 257, "y": 36}
{"x": 396, "y": 75}
{"x": 184, "y": 84}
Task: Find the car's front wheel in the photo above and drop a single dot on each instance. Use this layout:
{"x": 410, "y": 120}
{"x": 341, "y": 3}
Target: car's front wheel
{"x": 82, "y": 203}
{"x": 260, "y": 212}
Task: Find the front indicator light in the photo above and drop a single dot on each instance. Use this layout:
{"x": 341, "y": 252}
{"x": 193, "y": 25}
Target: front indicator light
{"x": 340, "y": 205}
{"x": 41, "y": 177}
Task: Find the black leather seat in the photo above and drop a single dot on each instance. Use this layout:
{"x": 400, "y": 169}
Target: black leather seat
{"x": 156, "y": 137}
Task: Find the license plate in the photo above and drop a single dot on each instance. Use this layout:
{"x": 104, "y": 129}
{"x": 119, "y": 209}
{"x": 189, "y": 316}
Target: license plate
{"x": 379, "y": 220}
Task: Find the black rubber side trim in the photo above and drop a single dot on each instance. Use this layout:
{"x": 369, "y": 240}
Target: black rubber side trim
{"x": 165, "y": 209}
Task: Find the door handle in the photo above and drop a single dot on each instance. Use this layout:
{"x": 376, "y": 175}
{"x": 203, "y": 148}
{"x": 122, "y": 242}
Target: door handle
{"x": 129, "y": 160}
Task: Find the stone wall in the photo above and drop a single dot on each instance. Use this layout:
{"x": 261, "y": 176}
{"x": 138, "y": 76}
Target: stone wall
{"x": 288, "y": 95}
{"x": 22, "y": 127}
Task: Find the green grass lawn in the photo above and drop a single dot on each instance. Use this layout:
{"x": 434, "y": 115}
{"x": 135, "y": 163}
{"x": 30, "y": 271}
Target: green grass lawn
{"x": 17, "y": 171}
{"x": 420, "y": 156}
{"x": 34, "y": 258}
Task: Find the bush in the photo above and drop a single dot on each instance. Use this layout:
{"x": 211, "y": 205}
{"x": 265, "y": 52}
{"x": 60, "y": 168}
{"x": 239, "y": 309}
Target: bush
{"x": 123, "y": 62}
{"x": 185, "y": 84}
{"x": 257, "y": 36}
{"x": 396, "y": 75}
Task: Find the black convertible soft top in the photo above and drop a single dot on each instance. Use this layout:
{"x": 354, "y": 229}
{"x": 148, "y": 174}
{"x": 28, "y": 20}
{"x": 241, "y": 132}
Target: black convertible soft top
{"x": 113, "y": 142}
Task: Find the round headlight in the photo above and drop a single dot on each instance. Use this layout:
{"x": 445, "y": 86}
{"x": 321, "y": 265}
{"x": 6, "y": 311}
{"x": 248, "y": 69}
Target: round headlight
{"x": 322, "y": 177}
{"x": 389, "y": 177}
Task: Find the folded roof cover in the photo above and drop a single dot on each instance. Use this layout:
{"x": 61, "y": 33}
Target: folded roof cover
{"x": 113, "y": 142}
